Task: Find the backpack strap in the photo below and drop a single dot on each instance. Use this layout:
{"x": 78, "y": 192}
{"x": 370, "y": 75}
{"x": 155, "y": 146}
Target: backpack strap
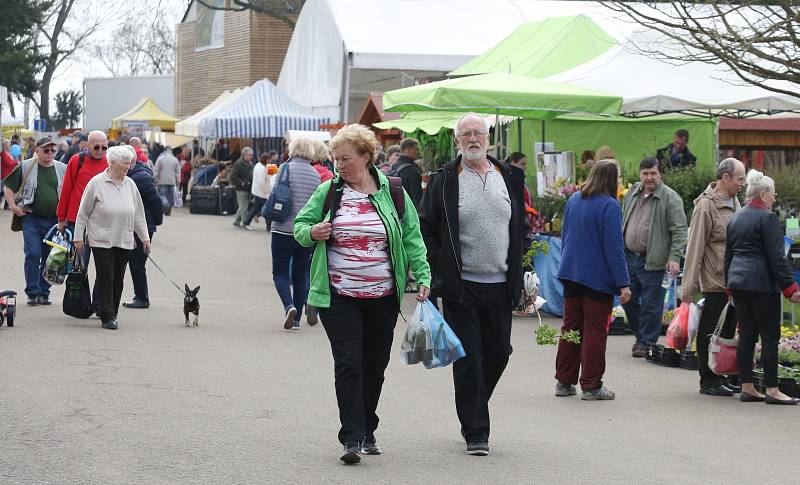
{"x": 395, "y": 187}
{"x": 81, "y": 158}
{"x": 398, "y": 197}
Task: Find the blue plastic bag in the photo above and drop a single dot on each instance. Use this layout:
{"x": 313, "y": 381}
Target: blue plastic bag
{"x": 447, "y": 347}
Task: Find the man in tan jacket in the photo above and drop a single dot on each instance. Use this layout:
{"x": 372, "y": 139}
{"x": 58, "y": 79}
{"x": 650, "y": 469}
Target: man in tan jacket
{"x": 704, "y": 268}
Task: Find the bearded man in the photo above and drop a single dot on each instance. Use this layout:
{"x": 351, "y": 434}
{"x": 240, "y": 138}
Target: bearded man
{"x": 472, "y": 217}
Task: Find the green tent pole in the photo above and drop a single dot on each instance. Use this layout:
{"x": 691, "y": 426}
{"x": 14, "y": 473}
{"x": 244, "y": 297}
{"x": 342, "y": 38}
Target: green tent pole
{"x": 542, "y": 136}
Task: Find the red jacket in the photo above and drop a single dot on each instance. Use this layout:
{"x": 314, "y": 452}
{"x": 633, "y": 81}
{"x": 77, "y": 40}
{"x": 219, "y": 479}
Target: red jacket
{"x": 324, "y": 173}
{"x": 8, "y": 164}
{"x": 75, "y": 183}
{"x": 140, "y": 156}
{"x": 186, "y": 172}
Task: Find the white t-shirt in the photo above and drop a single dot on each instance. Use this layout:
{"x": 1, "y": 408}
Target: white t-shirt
{"x": 261, "y": 186}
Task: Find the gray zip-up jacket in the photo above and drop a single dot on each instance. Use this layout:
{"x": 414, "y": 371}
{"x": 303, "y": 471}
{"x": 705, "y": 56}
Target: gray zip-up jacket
{"x": 303, "y": 181}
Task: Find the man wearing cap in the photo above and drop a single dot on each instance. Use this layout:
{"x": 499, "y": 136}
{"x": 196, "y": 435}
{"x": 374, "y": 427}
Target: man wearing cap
{"x": 38, "y": 180}
{"x": 80, "y": 170}
{"x": 75, "y": 147}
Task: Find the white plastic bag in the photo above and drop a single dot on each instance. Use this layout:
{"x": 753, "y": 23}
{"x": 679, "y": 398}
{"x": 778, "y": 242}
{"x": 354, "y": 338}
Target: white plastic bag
{"x": 694, "y": 322}
{"x": 417, "y": 344}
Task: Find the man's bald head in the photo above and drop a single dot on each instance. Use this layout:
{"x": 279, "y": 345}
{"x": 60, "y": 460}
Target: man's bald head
{"x": 97, "y": 144}
{"x": 135, "y": 142}
{"x": 97, "y": 137}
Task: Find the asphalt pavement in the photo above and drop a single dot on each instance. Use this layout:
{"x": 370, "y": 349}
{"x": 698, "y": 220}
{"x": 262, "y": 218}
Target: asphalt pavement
{"x": 241, "y": 400}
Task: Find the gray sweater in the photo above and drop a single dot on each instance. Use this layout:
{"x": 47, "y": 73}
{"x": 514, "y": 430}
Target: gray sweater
{"x": 303, "y": 181}
{"x": 484, "y": 215}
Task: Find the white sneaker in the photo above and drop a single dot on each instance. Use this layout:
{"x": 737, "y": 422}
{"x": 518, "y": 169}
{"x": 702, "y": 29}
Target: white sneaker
{"x": 247, "y": 228}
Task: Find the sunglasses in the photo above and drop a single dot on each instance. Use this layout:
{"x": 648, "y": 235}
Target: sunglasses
{"x": 48, "y": 150}
{"x": 98, "y": 147}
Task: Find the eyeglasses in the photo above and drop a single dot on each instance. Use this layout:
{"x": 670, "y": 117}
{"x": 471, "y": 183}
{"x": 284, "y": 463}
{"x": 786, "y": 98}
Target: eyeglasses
{"x": 468, "y": 135}
{"x": 48, "y": 150}
{"x": 98, "y": 147}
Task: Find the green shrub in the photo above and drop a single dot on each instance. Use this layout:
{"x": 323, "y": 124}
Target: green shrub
{"x": 688, "y": 183}
{"x": 787, "y": 185}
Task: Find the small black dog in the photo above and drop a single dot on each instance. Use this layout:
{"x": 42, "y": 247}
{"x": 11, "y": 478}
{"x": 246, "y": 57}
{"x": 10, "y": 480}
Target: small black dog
{"x": 191, "y": 304}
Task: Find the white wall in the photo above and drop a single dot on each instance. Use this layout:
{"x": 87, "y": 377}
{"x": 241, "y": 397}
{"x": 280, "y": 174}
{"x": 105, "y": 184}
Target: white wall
{"x": 106, "y": 98}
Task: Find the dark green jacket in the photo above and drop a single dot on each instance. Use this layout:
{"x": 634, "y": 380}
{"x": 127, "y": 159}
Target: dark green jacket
{"x": 241, "y": 177}
{"x": 667, "y": 225}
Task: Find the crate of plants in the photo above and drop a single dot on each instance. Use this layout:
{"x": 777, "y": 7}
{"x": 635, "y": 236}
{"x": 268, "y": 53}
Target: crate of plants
{"x": 688, "y": 360}
{"x": 789, "y": 380}
{"x": 619, "y": 327}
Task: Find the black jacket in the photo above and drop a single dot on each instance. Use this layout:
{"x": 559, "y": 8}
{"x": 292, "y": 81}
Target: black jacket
{"x": 153, "y": 210}
{"x": 755, "y": 259}
{"x": 409, "y": 173}
{"x": 438, "y": 216}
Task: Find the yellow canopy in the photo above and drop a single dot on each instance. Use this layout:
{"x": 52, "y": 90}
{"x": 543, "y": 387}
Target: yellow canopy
{"x": 146, "y": 110}
{"x": 167, "y": 139}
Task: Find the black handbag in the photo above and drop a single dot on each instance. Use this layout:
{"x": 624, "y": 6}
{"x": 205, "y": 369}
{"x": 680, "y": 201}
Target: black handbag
{"x": 77, "y": 294}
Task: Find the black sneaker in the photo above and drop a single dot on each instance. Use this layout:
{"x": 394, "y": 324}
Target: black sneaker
{"x": 289, "y": 322}
{"x": 33, "y": 301}
{"x": 110, "y": 325}
{"x": 351, "y": 456}
{"x": 370, "y": 447}
{"x": 478, "y": 448}
{"x": 43, "y": 300}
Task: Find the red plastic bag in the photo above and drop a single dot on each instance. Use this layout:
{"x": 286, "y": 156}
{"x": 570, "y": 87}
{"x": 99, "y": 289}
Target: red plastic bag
{"x": 678, "y": 330}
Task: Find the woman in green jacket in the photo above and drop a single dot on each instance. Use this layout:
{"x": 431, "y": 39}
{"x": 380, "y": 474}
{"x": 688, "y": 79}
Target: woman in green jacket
{"x": 365, "y": 243}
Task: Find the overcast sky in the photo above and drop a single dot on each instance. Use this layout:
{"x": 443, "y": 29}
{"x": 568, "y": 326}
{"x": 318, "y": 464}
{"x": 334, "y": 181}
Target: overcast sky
{"x": 71, "y": 74}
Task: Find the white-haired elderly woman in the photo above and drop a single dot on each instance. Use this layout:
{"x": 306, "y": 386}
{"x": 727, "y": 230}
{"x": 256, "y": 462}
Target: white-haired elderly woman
{"x": 292, "y": 282}
{"x": 111, "y": 211}
{"x": 756, "y": 273}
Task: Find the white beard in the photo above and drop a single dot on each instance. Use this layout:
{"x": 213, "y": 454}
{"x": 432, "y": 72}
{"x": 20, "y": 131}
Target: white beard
{"x": 474, "y": 156}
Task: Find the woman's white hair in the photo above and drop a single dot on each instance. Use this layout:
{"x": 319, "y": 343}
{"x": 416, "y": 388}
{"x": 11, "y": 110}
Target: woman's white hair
{"x": 758, "y": 183}
{"x": 120, "y": 154}
{"x": 303, "y": 148}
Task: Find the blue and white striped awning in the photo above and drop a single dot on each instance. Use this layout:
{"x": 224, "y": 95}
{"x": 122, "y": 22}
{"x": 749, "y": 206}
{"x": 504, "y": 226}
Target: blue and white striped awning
{"x": 260, "y": 112}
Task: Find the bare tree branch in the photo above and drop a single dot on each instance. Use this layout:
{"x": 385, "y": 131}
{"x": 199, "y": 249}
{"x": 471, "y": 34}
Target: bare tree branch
{"x": 756, "y": 40}
{"x": 278, "y": 9}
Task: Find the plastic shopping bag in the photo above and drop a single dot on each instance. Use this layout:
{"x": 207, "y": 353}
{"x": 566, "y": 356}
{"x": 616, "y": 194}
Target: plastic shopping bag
{"x": 178, "y": 198}
{"x": 694, "y": 322}
{"x": 417, "y": 344}
{"x": 447, "y": 347}
{"x": 678, "y": 330}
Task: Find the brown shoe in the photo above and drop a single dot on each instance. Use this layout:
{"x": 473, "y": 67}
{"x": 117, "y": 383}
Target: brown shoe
{"x": 635, "y": 345}
{"x": 640, "y": 351}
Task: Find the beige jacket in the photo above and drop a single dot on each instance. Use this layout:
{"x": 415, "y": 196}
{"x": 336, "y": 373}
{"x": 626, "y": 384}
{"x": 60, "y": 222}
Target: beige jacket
{"x": 705, "y": 252}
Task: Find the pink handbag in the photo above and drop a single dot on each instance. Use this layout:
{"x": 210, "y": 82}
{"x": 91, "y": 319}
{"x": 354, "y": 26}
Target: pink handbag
{"x": 722, "y": 351}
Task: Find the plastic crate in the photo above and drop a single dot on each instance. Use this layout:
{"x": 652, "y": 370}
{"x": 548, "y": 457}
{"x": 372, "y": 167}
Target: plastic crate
{"x": 619, "y": 327}
{"x": 666, "y": 356}
{"x": 688, "y": 360}
{"x": 789, "y": 386}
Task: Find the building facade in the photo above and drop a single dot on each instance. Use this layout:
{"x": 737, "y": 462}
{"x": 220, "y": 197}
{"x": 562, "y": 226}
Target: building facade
{"x": 219, "y": 50}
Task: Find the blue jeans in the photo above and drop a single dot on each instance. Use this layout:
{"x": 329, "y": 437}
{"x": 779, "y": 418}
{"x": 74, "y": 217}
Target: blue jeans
{"x": 646, "y": 306}
{"x": 291, "y": 264}
{"x": 168, "y": 193}
{"x": 34, "y": 229}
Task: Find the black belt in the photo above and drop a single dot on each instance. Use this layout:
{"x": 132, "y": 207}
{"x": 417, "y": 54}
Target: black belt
{"x": 641, "y": 255}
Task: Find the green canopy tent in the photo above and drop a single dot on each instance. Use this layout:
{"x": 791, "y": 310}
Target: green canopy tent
{"x": 501, "y": 94}
{"x": 561, "y": 43}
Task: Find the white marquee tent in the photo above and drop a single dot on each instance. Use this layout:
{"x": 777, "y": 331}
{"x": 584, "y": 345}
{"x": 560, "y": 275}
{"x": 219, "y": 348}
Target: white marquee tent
{"x": 191, "y": 125}
{"x": 261, "y": 111}
{"x": 342, "y": 50}
{"x": 650, "y": 85}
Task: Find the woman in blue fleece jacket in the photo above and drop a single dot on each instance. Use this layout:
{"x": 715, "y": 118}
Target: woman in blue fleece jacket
{"x": 592, "y": 270}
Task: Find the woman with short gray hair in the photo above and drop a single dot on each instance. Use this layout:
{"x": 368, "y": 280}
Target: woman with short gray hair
{"x": 756, "y": 272}
{"x": 111, "y": 211}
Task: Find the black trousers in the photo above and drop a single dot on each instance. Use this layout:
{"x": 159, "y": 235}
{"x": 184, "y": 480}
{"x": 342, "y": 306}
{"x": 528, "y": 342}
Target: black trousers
{"x": 137, "y": 264}
{"x": 759, "y": 314}
{"x": 482, "y": 321}
{"x": 360, "y": 331}
{"x": 110, "y": 266}
{"x": 714, "y": 304}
